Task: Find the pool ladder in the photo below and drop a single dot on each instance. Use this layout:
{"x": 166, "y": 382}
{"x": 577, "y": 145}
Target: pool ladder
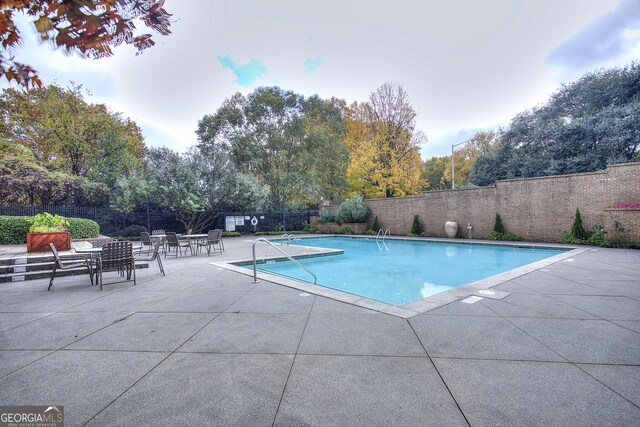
{"x": 288, "y": 238}
{"x": 380, "y": 238}
{"x": 255, "y": 271}
{"x": 383, "y": 233}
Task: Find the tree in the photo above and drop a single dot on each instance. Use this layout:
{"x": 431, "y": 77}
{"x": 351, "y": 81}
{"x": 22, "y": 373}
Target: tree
{"x": 384, "y": 146}
{"x": 192, "y": 186}
{"x": 481, "y": 144}
{"x": 586, "y": 125}
{"x": 89, "y": 28}
{"x": 291, "y": 144}
{"x": 24, "y": 180}
{"x": 433, "y": 173}
{"x": 68, "y": 134}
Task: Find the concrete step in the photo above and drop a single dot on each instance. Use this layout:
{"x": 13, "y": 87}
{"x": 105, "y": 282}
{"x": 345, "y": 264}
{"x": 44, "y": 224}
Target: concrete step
{"x": 21, "y": 276}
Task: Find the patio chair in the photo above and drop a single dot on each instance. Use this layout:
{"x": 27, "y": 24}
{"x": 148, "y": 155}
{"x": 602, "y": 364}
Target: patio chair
{"x": 116, "y": 256}
{"x": 146, "y": 242}
{"x": 173, "y": 242}
{"x": 153, "y": 254}
{"x": 69, "y": 263}
{"x": 214, "y": 237}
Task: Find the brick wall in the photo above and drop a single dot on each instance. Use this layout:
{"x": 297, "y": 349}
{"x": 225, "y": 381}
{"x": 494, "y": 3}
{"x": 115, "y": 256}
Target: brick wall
{"x": 538, "y": 209}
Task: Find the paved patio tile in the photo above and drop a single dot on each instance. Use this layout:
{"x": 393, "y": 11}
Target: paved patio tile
{"x": 366, "y": 391}
{"x": 634, "y": 325}
{"x": 56, "y": 331}
{"x": 11, "y": 360}
{"x": 546, "y": 283}
{"x": 146, "y": 332}
{"x": 273, "y": 302}
{"x": 623, "y": 380}
{"x": 607, "y": 307}
{"x": 359, "y": 333}
{"x": 123, "y": 301}
{"x": 512, "y": 286}
{"x": 591, "y": 271}
{"x": 477, "y": 337}
{"x": 204, "y": 389}
{"x": 328, "y": 305}
{"x": 13, "y": 320}
{"x": 585, "y": 341}
{"x": 83, "y": 382}
{"x": 264, "y": 286}
{"x": 630, "y": 288}
{"x": 224, "y": 281}
{"x": 48, "y": 302}
{"x": 513, "y": 393}
{"x": 196, "y": 302}
{"x": 249, "y": 333}
{"x": 459, "y": 308}
{"x": 535, "y": 305}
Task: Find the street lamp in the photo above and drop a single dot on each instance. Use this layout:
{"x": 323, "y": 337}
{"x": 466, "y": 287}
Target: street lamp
{"x": 453, "y": 172}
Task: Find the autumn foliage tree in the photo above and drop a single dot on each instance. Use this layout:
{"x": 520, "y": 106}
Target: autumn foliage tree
{"x": 89, "y": 28}
{"x": 482, "y": 143}
{"x": 384, "y": 146}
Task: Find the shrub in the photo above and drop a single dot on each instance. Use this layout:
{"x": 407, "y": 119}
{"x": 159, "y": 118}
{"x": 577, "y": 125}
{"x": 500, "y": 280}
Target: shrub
{"x": 133, "y": 231}
{"x": 375, "y": 227}
{"x": 498, "y": 227}
{"x": 47, "y": 223}
{"x": 353, "y": 210}
{"x": 14, "y": 229}
{"x": 231, "y": 234}
{"x": 504, "y": 236}
{"x": 327, "y": 216}
{"x": 416, "y": 228}
{"x": 577, "y": 229}
{"x": 346, "y": 230}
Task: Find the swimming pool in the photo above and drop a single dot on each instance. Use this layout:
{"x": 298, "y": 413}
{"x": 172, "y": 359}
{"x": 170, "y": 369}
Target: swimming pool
{"x": 399, "y": 272}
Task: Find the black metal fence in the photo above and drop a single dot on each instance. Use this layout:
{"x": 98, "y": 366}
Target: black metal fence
{"x": 129, "y": 224}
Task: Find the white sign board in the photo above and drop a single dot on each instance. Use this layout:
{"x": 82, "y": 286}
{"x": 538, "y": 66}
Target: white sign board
{"x": 229, "y": 223}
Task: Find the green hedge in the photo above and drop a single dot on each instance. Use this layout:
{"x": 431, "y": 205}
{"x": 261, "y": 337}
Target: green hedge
{"x": 81, "y": 228}
{"x": 14, "y": 229}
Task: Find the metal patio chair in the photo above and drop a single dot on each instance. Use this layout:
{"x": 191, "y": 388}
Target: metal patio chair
{"x": 146, "y": 242}
{"x": 153, "y": 254}
{"x": 116, "y": 256}
{"x": 214, "y": 237}
{"x": 69, "y": 263}
{"x": 173, "y": 242}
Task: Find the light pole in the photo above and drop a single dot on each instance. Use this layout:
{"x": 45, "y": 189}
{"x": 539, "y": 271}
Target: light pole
{"x": 453, "y": 171}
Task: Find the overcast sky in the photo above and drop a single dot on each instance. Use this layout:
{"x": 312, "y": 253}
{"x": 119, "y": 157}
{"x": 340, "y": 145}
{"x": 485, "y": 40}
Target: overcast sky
{"x": 466, "y": 65}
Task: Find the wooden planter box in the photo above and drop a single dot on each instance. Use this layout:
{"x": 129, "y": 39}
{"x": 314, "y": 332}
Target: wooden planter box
{"x": 39, "y": 242}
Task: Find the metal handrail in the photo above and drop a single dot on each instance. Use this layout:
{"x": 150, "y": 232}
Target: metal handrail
{"x": 287, "y": 237}
{"x": 378, "y": 235}
{"x": 385, "y": 234}
{"x": 255, "y": 271}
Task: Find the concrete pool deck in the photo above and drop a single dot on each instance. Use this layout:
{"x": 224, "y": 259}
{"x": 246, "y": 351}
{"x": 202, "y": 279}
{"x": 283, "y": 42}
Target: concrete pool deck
{"x": 206, "y": 346}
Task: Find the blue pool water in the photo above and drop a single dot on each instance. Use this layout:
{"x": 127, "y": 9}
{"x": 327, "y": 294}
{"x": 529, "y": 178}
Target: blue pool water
{"x": 402, "y": 271}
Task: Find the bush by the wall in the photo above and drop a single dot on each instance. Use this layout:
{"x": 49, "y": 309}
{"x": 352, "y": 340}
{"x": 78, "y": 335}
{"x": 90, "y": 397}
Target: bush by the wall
{"x": 375, "y": 227}
{"x": 346, "y": 230}
{"x": 353, "y": 210}
{"x": 81, "y": 228}
{"x": 14, "y": 229}
{"x": 577, "y": 229}
{"x": 498, "y": 227}
{"x": 327, "y": 216}
{"x": 416, "y": 227}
